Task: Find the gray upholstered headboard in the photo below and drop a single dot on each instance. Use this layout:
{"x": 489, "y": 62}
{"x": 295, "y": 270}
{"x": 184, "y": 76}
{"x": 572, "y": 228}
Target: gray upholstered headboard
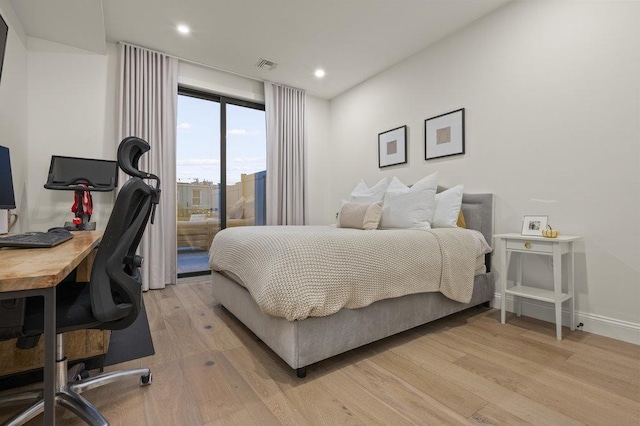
{"x": 478, "y": 214}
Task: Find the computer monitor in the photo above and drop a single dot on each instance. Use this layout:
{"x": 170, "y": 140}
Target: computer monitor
{"x": 4, "y": 31}
{"x": 68, "y": 173}
{"x": 7, "y": 197}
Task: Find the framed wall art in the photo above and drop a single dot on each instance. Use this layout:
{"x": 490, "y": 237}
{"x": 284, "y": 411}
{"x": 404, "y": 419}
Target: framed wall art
{"x": 444, "y": 135}
{"x": 392, "y": 147}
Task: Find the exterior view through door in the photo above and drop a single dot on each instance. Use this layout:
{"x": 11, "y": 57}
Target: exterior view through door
{"x": 220, "y": 167}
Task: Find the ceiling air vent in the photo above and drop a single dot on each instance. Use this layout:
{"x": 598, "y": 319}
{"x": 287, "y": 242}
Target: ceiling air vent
{"x": 266, "y": 64}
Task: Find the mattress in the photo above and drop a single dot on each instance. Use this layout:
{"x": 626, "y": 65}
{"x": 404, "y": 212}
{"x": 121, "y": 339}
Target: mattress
{"x": 297, "y": 272}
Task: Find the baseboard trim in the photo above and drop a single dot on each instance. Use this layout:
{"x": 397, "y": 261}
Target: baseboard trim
{"x": 596, "y": 324}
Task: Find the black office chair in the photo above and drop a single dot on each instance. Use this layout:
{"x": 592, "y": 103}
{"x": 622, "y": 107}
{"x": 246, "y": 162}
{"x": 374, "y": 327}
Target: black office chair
{"x": 110, "y": 301}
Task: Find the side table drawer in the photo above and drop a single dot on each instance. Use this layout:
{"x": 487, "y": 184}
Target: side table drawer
{"x": 533, "y": 246}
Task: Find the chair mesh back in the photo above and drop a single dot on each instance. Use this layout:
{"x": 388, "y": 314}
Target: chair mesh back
{"x": 116, "y": 289}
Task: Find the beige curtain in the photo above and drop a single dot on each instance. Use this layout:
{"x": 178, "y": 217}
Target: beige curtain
{"x": 285, "y": 112}
{"x": 147, "y": 109}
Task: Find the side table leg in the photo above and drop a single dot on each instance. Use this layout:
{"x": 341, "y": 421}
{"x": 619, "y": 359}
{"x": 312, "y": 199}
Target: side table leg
{"x": 572, "y": 303}
{"x": 503, "y": 280}
{"x": 518, "y": 299}
{"x": 557, "y": 288}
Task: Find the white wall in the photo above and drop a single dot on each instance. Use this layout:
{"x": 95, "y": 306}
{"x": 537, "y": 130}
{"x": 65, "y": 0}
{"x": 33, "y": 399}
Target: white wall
{"x": 13, "y": 107}
{"x": 551, "y": 92}
{"x": 71, "y": 112}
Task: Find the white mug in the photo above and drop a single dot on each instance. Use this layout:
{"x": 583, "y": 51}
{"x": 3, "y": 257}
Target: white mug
{"x": 7, "y": 221}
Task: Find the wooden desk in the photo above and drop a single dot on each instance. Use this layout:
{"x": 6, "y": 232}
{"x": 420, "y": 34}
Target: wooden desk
{"x": 36, "y": 272}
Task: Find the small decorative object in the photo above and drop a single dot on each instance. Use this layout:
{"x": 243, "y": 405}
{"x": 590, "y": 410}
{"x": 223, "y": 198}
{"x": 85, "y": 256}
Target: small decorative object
{"x": 444, "y": 135}
{"x": 392, "y": 147}
{"x": 549, "y": 232}
{"x": 534, "y": 225}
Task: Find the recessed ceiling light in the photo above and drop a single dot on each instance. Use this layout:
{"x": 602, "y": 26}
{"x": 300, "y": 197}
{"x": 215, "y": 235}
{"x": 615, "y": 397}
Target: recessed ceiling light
{"x": 319, "y": 73}
{"x": 183, "y": 29}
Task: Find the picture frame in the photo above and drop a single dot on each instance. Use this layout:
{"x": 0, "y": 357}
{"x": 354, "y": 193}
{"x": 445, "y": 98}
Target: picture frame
{"x": 392, "y": 147}
{"x": 444, "y": 135}
{"x": 534, "y": 225}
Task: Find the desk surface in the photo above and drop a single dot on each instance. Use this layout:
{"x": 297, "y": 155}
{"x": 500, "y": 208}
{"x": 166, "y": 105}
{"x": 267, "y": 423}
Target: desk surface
{"x": 25, "y": 269}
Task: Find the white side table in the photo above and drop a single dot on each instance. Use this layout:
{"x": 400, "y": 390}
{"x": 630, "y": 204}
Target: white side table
{"x": 555, "y": 247}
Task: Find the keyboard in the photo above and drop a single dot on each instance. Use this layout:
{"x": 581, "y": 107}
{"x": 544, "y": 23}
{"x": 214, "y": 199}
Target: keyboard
{"x": 36, "y": 239}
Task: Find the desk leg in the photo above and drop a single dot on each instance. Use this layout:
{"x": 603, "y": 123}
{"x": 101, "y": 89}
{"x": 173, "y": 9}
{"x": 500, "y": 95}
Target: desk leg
{"x": 49, "y": 356}
{"x": 557, "y": 288}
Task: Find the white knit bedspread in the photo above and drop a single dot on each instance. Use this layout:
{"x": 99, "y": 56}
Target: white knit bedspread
{"x": 300, "y": 271}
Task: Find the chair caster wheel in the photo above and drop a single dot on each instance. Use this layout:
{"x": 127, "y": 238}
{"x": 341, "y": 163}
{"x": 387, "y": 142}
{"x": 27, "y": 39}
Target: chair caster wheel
{"x": 80, "y": 375}
{"x": 146, "y": 380}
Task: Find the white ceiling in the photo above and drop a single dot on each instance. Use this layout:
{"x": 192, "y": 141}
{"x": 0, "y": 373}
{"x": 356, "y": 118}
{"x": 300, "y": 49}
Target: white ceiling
{"x": 351, "y": 39}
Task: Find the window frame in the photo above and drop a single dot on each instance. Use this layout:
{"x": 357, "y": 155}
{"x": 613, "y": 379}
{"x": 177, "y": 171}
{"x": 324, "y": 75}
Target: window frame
{"x": 223, "y": 101}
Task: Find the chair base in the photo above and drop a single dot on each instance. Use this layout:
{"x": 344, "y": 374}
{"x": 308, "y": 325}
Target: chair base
{"x": 70, "y": 384}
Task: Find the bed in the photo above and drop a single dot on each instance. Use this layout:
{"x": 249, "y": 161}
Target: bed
{"x": 301, "y": 343}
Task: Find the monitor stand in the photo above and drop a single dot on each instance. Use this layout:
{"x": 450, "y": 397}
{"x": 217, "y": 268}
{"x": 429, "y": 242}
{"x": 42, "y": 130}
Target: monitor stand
{"x": 87, "y": 226}
{"x": 79, "y": 186}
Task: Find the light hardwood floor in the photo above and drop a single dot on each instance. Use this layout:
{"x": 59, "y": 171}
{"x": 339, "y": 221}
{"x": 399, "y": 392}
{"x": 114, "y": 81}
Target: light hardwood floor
{"x": 465, "y": 369}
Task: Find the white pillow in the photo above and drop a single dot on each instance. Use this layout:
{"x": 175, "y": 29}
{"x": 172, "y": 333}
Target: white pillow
{"x": 410, "y": 208}
{"x": 363, "y": 194}
{"x": 448, "y": 205}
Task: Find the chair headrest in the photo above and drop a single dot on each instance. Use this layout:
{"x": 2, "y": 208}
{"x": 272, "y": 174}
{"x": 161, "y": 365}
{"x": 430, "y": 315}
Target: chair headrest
{"x": 129, "y": 153}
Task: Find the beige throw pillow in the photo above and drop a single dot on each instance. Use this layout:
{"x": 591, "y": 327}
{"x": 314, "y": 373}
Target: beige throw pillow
{"x": 360, "y": 215}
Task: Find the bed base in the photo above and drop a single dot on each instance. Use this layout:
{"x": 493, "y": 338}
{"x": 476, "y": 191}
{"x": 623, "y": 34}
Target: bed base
{"x": 301, "y": 372}
{"x": 302, "y": 343}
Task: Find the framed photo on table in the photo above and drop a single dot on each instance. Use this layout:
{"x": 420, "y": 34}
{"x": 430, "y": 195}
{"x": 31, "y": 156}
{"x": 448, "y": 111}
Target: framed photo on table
{"x": 392, "y": 147}
{"x": 444, "y": 135}
{"x": 533, "y": 225}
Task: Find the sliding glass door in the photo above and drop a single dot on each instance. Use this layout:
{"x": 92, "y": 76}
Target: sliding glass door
{"x": 221, "y": 167}
{"x": 246, "y": 165}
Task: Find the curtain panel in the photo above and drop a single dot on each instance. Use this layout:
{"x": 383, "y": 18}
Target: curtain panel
{"x": 148, "y": 109}
{"x": 285, "y": 112}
